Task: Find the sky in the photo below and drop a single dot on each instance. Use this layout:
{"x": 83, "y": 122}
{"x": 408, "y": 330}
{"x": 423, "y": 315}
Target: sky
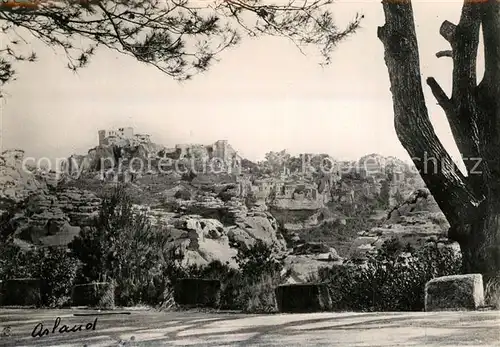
{"x": 264, "y": 95}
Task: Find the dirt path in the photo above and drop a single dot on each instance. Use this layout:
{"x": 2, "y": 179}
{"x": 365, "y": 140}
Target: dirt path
{"x": 200, "y": 329}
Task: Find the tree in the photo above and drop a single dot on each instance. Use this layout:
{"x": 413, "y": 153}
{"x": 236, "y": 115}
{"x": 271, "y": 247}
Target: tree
{"x": 124, "y": 247}
{"x": 470, "y": 202}
{"x": 398, "y": 197}
{"x": 277, "y": 161}
{"x": 385, "y": 192}
{"x": 179, "y": 37}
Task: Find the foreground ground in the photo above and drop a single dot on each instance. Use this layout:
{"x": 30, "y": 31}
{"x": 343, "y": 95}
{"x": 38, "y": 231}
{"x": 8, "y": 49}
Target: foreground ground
{"x": 149, "y": 328}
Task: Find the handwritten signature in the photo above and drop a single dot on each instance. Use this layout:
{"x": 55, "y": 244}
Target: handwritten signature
{"x": 39, "y": 331}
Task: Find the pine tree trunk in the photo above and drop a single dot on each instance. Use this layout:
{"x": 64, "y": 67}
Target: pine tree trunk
{"x": 480, "y": 245}
{"x": 471, "y": 202}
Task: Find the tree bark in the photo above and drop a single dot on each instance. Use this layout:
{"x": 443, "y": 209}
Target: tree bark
{"x": 471, "y": 203}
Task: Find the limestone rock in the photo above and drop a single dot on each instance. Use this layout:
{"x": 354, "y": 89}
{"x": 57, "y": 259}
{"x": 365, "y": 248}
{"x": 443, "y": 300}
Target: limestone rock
{"x": 201, "y": 240}
{"x": 17, "y": 182}
{"x": 303, "y": 267}
{"x": 257, "y": 226}
{"x": 452, "y": 293}
{"x": 55, "y": 218}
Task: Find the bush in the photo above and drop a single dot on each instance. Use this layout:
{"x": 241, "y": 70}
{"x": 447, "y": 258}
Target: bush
{"x": 257, "y": 261}
{"x": 250, "y": 200}
{"x": 389, "y": 281}
{"x": 260, "y": 273}
{"x": 259, "y": 296}
{"x": 183, "y": 194}
{"x": 492, "y": 292}
{"x": 58, "y": 273}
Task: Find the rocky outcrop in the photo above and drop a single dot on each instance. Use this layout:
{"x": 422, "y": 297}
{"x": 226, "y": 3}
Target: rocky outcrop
{"x": 304, "y": 261}
{"x": 256, "y": 226}
{"x": 415, "y": 221}
{"x": 209, "y": 205}
{"x": 55, "y": 218}
{"x": 200, "y": 240}
{"x": 17, "y": 181}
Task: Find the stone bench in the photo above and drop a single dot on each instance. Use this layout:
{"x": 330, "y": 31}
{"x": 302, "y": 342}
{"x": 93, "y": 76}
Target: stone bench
{"x": 96, "y": 294}
{"x": 197, "y": 292}
{"x": 454, "y": 293}
{"x": 21, "y": 292}
{"x": 300, "y": 298}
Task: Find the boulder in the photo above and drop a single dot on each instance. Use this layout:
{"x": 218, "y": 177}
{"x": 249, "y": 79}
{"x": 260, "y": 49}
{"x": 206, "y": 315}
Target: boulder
{"x": 300, "y": 298}
{"x": 197, "y": 292}
{"x": 96, "y": 294}
{"x": 454, "y": 293}
{"x": 201, "y": 240}
{"x": 22, "y": 292}
{"x": 262, "y": 226}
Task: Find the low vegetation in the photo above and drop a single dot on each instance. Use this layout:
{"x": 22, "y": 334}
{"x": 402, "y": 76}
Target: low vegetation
{"x": 391, "y": 280}
{"x": 123, "y": 248}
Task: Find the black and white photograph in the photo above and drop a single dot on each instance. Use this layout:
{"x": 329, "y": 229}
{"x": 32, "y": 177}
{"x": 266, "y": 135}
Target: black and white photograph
{"x": 216, "y": 173}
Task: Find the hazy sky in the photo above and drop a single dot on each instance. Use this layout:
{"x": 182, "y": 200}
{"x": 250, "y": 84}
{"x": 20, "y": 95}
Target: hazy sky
{"x": 263, "y": 95}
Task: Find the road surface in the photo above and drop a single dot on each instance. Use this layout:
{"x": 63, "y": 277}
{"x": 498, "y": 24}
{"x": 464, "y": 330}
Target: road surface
{"x": 151, "y": 328}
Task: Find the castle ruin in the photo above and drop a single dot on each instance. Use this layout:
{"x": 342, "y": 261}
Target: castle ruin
{"x": 120, "y": 136}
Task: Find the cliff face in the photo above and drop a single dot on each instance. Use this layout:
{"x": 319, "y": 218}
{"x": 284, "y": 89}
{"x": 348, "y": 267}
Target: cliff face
{"x": 16, "y": 182}
{"x": 128, "y": 159}
{"x": 54, "y": 218}
{"x": 104, "y": 159}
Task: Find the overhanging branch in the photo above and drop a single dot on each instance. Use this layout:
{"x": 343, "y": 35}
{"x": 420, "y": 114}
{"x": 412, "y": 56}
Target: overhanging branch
{"x": 447, "y": 53}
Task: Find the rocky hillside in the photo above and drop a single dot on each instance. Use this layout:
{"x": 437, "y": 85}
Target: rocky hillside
{"x": 311, "y": 216}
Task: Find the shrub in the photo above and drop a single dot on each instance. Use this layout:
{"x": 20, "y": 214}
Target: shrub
{"x": 260, "y": 274}
{"x": 259, "y": 296}
{"x": 257, "y": 261}
{"x": 492, "y": 292}
{"x": 389, "y": 281}
{"x": 58, "y": 273}
{"x": 183, "y": 194}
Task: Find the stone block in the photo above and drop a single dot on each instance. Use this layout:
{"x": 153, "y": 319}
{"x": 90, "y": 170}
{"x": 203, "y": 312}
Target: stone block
{"x": 454, "y": 293}
{"x": 97, "y": 294}
{"x": 300, "y": 298}
{"x": 21, "y": 292}
{"x": 197, "y": 292}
